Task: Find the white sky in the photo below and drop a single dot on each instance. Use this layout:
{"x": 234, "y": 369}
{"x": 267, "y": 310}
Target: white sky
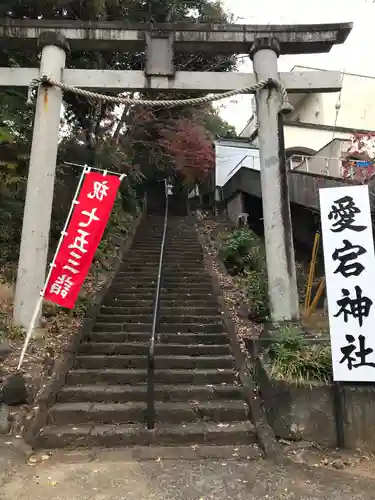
{"x": 356, "y": 55}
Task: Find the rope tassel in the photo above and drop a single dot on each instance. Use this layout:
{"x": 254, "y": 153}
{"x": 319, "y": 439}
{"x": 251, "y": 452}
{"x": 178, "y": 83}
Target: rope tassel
{"x": 34, "y": 84}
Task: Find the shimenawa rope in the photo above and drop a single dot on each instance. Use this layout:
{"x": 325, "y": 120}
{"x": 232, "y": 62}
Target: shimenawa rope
{"x": 45, "y": 80}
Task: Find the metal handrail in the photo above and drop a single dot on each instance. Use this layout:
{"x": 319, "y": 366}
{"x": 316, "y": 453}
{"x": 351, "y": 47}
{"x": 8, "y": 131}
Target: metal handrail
{"x": 151, "y": 413}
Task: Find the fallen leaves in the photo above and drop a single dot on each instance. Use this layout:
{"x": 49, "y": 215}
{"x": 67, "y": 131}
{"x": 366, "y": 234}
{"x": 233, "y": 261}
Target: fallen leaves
{"x": 233, "y": 293}
{"x": 38, "y": 458}
{"x": 58, "y": 327}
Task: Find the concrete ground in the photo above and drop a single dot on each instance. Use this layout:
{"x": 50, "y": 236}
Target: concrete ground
{"x": 112, "y": 475}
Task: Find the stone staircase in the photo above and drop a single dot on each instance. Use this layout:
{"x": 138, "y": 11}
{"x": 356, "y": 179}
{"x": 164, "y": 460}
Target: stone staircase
{"x": 198, "y": 397}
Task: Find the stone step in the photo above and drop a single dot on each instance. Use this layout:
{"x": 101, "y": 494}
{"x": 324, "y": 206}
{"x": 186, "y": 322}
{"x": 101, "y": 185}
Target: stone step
{"x": 149, "y": 287}
{"x": 198, "y": 327}
{"x": 181, "y": 256}
{"x": 183, "y": 275}
{"x": 135, "y": 411}
{"x": 167, "y": 281}
{"x": 122, "y": 327}
{"x": 171, "y": 240}
{"x": 184, "y": 244}
{"x": 115, "y": 303}
{"x": 153, "y": 268}
{"x": 154, "y": 250}
{"x": 173, "y": 237}
{"x": 124, "y": 393}
{"x": 110, "y": 436}
{"x": 177, "y": 252}
{"x": 137, "y": 376}
{"x": 189, "y": 288}
{"x": 167, "y": 274}
{"x": 131, "y": 263}
{"x": 140, "y": 259}
{"x": 133, "y": 287}
{"x": 147, "y": 263}
{"x": 149, "y": 232}
{"x": 171, "y": 231}
{"x": 102, "y": 361}
{"x": 154, "y": 255}
{"x": 154, "y": 247}
{"x": 167, "y": 317}
{"x": 139, "y": 276}
{"x": 164, "y": 327}
{"x": 162, "y": 338}
{"x": 146, "y": 260}
{"x": 127, "y": 348}
{"x": 164, "y": 310}
{"x": 123, "y": 318}
{"x": 165, "y": 296}
{"x": 152, "y": 238}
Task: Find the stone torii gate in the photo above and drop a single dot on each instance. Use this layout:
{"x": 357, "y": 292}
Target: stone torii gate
{"x": 160, "y": 42}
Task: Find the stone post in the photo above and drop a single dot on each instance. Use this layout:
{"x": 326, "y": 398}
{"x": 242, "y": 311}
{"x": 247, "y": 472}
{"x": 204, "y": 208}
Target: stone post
{"x": 40, "y": 183}
{"x": 282, "y": 283}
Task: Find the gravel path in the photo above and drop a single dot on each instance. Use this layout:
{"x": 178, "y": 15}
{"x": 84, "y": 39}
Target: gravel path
{"x": 107, "y": 475}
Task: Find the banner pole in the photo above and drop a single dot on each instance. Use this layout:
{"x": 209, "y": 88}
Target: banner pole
{"x": 40, "y": 300}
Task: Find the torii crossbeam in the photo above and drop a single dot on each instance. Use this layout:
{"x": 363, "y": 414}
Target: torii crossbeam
{"x": 160, "y": 42}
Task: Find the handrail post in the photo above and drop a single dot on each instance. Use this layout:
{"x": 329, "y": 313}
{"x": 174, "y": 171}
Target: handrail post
{"x": 151, "y": 412}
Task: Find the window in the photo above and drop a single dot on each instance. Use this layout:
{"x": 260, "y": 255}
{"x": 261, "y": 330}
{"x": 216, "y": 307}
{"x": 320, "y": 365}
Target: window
{"x": 295, "y": 161}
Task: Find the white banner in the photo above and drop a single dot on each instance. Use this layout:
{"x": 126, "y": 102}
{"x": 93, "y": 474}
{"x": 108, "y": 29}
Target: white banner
{"x": 350, "y": 277}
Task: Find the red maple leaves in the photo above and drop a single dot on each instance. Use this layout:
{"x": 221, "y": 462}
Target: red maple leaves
{"x": 189, "y": 148}
{"x": 359, "y": 160}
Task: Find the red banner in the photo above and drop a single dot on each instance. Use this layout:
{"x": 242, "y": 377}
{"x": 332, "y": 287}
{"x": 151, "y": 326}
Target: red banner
{"x": 85, "y": 230}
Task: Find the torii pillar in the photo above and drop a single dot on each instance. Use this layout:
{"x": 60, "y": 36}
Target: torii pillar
{"x": 281, "y": 269}
{"x": 40, "y": 183}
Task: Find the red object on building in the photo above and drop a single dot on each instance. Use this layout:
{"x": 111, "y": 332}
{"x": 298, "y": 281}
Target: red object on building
{"x": 85, "y": 230}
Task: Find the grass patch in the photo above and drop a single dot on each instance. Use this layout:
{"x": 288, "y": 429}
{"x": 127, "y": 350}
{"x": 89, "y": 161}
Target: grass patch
{"x": 241, "y": 250}
{"x": 255, "y": 285}
{"x": 295, "y": 359}
{"x": 244, "y": 256}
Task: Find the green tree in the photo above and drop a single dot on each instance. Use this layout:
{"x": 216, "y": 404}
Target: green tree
{"x": 213, "y": 122}
{"x": 15, "y": 134}
{"x": 95, "y": 132}
{"x": 80, "y": 114}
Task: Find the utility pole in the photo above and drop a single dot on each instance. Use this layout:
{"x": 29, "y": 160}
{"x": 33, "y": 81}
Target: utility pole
{"x": 282, "y": 282}
{"x": 41, "y": 179}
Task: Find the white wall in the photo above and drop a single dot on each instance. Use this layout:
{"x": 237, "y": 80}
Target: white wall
{"x": 357, "y": 104}
{"x": 356, "y": 111}
{"x": 311, "y": 138}
{"x": 328, "y": 161}
{"x": 310, "y": 110}
{"x": 229, "y": 159}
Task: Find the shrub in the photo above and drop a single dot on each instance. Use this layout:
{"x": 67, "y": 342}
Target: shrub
{"x": 257, "y": 292}
{"x": 243, "y": 254}
{"x": 293, "y": 358}
{"x": 235, "y": 250}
